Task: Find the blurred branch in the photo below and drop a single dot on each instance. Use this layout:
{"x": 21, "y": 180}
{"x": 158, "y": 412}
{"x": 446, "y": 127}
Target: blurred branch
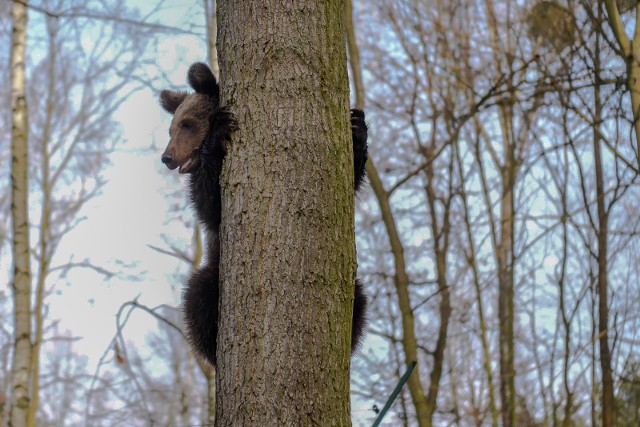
{"x": 82, "y": 264}
{"x": 174, "y": 252}
{"x": 120, "y": 346}
{"x": 153, "y": 311}
{"x": 100, "y": 17}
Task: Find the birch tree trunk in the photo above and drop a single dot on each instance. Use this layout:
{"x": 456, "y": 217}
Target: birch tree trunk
{"x": 21, "y": 282}
{"x": 287, "y": 236}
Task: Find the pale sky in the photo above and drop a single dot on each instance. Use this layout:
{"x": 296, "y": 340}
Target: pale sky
{"x": 130, "y": 214}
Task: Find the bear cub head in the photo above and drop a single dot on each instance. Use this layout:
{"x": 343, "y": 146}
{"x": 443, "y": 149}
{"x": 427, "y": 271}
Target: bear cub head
{"x": 192, "y": 114}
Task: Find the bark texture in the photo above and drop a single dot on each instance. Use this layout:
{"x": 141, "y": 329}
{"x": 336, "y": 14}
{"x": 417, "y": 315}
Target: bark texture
{"x": 21, "y": 283}
{"x": 287, "y": 235}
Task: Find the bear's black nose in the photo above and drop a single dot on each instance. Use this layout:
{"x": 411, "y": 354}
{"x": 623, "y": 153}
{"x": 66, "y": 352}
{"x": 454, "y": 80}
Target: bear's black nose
{"x": 167, "y": 158}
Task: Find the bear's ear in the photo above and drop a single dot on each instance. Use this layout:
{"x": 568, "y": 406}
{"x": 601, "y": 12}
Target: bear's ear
{"x": 171, "y": 100}
{"x": 202, "y": 80}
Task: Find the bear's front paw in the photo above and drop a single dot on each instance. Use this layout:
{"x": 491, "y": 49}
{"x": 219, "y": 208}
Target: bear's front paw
{"x": 358, "y": 127}
{"x": 224, "y": 123}
{"x": 359, "y": 133}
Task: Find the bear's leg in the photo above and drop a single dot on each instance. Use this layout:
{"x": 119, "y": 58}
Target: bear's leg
{"x": 205, "y": 181}
{"x": 359, "y": 133}
{"x": 359, "y": 316}
{"x": 201, "y": 311}
{"x": 359, "y": 136}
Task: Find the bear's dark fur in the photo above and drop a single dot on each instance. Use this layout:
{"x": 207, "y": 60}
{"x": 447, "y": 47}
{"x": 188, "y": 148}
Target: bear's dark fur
{"x": 199, "y": 133}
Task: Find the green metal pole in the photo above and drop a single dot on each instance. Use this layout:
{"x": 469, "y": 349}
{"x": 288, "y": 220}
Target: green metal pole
{"x": 396, "y": 392}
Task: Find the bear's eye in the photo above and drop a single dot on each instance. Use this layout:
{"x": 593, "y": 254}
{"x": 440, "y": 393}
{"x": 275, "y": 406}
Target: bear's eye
{"x": 185, "y": 125}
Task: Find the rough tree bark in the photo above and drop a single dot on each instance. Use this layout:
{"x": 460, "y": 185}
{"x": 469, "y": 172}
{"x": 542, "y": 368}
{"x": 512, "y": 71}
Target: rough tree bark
{"x": 287, "y": 236}
{"x": 21, "y": 282}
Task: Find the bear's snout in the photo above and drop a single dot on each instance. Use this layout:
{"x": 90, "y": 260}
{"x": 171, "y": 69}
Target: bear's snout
{"x": 167, "y": 159}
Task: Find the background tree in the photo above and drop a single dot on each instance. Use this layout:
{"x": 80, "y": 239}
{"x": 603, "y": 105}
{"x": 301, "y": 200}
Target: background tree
{"x": 70, "y": 139}
{"x": 21, "y": 281}
{"x": 401, "y": 279}
{"x": 517, "y": 109}
{"x": 627, "y": 49}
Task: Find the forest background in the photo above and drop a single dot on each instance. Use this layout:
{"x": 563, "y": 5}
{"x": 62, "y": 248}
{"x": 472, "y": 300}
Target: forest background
{"x": 498, "y": 240}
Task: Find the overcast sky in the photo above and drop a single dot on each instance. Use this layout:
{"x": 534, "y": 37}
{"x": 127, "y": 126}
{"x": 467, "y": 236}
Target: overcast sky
{"x": 130, "y": 213}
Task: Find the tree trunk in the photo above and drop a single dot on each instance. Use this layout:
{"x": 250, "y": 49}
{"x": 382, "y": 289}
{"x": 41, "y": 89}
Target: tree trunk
{"x": 608, "y": 399}
{"x": 473, "y": 263}
{"x": 44, "y": 248}
{"x": 506, "y": 291}
{"x": 629, "y": 53}
{"x": 211, "y": 20}
{"x": 21, "y": 283}
{"x": 440, "y": 242}
{"x": 287, "y": 235}
{"x": 210, "y": 375}
{"x": 504, "y": 242}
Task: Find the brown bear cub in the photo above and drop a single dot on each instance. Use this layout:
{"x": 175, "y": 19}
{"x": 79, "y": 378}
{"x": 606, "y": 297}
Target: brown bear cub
{"x": 199, "y": 132}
